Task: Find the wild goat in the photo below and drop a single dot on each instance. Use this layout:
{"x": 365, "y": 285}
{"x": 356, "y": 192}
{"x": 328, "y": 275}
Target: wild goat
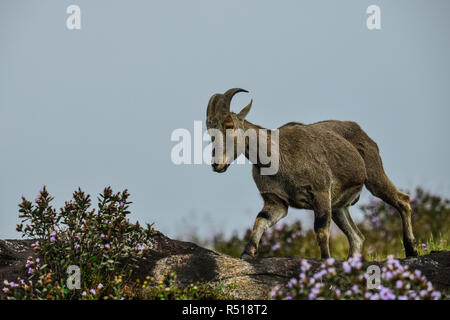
{"x": 322, "y": 167}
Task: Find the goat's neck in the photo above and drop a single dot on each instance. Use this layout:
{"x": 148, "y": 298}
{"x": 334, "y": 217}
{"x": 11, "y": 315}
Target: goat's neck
{"x": 253, "y": 147}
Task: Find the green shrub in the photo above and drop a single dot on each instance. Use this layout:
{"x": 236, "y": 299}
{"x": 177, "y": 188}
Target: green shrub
{"x": 102, "y": 243}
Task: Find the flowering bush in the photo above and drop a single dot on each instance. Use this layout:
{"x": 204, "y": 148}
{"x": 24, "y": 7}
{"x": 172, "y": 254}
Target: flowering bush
{"x": 349, "y": 281}
{"x": 102, "y": 243}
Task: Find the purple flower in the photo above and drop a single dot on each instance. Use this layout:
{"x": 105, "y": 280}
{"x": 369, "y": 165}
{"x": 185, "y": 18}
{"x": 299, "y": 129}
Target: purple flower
{"x": 305, "y": 265}
{"x": 274, "y": 291}
{"x": 276, "y": 246}
{"x": 376, "y": 221}
{"x": 346, "y": 266}
{"x": 52, "y": 239}
{"x": 436, "y": 295}
{"x": 386, "y": 294}
{"x": 388, "y": 275}
{"x": 92, "y": 291}
{"x": 292, "y": 282}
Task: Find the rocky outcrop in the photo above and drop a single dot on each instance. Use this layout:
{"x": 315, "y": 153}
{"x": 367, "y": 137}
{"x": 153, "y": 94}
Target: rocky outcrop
{"x": 254, "y": 279}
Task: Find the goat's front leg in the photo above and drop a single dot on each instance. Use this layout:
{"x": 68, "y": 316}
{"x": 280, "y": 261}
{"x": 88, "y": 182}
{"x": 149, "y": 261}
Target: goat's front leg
{"x": 274, "y": 209}
{"x": 322, "y": 221}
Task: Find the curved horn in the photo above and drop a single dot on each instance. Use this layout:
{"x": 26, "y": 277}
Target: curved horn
{"x": 219, "y": 104}
{"x": 230, "y": 93}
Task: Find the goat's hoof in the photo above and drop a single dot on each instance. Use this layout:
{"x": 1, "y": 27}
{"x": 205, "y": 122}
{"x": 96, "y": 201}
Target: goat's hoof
{"x": 412, "y": 253}
{"x": 246, "y": 256}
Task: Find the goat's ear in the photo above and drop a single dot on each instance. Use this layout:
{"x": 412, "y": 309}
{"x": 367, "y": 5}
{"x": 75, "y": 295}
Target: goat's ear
{"x": 243, "y": 113}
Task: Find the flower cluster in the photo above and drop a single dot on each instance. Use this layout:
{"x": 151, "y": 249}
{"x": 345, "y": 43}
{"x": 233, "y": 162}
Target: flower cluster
{"x": 44, "y": 288}
{"x": 32, "y": 265}
{"x": 348, "y": 280}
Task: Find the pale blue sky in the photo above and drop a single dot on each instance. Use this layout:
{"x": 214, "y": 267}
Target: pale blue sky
{"x": 96, "y": 106}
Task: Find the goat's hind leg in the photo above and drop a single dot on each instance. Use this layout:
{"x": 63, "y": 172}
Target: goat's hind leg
{"x": 274, "y": 209}
{"x": 380, "y": 186}
{"x": 342, "y": 218}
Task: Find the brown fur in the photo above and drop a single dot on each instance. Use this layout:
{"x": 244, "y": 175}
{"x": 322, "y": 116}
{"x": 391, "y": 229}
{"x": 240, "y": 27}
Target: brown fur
{"x": 322, "y": 167}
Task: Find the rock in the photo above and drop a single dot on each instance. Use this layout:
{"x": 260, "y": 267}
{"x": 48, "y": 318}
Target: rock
{"x": 13, "y": 255}
{"x": 254, "y": 279}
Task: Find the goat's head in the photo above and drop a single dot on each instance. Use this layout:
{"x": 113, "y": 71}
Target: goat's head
{"x": 222, "y": 124}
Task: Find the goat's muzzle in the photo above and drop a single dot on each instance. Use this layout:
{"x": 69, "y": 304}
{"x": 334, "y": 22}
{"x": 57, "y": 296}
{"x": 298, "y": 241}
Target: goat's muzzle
{"x": 220, "y": 168}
